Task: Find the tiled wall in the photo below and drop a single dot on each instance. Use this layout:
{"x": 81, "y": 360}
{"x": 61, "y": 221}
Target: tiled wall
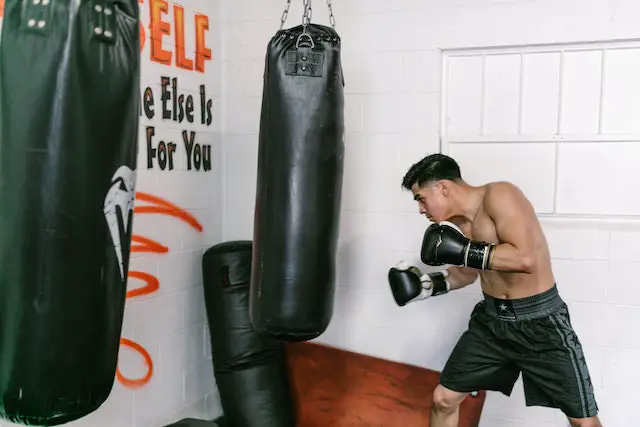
{"x": 393, "y": 69}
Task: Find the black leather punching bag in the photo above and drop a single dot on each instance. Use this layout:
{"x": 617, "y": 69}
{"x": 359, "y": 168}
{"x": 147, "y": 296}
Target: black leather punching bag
{"x": 250, "y": 368}
{"x": 300, "y": 168}
{"x": 69, "y": 94}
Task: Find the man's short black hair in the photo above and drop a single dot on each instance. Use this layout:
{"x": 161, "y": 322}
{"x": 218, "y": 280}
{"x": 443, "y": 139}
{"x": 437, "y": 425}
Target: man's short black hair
{"x": 434, "y": 167}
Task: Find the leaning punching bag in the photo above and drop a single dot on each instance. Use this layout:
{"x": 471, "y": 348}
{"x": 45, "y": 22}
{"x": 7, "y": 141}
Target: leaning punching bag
{"x": 69, "y": 94}
{"x": 300, "y": 167}
{"x": 250, "y": 368}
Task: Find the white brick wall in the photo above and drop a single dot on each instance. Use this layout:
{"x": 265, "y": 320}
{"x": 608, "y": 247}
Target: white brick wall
{"x": 170, "y": 324}
{"x": 392, "y": 65}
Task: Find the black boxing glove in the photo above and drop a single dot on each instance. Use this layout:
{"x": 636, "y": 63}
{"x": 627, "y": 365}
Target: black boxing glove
{"x": 408, "y": 284}
{"x": 444, "y": 243}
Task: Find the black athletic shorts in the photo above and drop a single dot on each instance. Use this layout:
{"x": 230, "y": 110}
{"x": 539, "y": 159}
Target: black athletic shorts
{"x": 530, "y": 335}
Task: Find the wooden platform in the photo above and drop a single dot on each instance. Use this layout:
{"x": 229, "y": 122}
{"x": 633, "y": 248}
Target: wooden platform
{"x": 337, "y": 388}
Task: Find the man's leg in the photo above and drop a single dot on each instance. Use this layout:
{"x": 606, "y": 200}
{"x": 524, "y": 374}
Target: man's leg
{"x": 446, "y": 405}
{"x": 555, "y": 371}
{"x": 477, "y": 362}
{"x": 585, "y": 422}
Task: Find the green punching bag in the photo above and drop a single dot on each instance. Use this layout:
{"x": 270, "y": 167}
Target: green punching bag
{"x": 69, "y": 94}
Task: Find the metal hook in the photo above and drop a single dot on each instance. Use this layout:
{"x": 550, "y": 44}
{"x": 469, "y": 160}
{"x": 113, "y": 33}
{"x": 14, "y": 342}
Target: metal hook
{"x": 300, "y": 38}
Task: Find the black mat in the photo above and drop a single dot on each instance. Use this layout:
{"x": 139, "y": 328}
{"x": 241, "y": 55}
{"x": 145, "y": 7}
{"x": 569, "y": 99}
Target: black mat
{"x": 192, "y": 422}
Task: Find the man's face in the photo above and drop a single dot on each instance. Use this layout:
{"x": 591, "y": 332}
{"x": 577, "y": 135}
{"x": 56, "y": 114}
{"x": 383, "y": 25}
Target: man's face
{"x": 432, "y": 201}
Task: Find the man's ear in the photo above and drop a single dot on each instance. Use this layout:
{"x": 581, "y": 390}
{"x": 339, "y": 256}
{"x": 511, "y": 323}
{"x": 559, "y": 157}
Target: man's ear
{"x": 445, "y": 187}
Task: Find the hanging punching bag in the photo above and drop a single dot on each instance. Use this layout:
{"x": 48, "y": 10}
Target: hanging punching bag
{"x": 300, "y": 168}
{"x": 69, "y": 91}
{"x": 250, "y": 368}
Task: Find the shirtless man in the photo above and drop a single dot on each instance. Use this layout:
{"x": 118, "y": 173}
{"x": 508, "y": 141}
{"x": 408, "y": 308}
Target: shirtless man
{"x": 522, "y": 324}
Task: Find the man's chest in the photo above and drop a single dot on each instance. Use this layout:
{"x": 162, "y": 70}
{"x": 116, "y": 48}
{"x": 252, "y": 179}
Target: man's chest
{"x": 481, "y": 229}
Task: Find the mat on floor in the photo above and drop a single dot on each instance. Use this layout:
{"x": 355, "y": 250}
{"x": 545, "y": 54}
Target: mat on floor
{"x": 192, "y": 422}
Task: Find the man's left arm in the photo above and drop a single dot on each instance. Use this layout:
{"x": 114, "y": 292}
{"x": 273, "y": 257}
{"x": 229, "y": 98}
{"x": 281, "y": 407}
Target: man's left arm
{"x": 511, "y": 213}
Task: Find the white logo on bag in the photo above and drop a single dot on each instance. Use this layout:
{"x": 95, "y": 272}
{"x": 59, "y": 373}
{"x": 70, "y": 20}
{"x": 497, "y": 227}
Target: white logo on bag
{"x": 120, "y": 195}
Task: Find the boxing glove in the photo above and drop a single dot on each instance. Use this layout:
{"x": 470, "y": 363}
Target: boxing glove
{"x": 444, "y": 243}
{"x": 408, "y": 284}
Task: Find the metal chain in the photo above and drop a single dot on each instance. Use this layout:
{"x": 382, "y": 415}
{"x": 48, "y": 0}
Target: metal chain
{"x": 332, "y": 18}
{"x": 307, "y": 13}
{"x": 285, "y": 14}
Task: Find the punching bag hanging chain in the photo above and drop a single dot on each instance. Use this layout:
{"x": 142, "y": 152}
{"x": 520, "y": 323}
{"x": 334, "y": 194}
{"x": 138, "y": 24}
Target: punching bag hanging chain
{"x": 332, "y": 18}
{"x": 285, "y": 14}
{"x": 306, "y": 16}
{"x": 306, "y": 20}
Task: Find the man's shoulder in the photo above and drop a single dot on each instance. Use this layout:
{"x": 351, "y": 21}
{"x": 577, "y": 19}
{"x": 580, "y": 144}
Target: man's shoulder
{"x": 500, "y": 193}
{"x": 500, "y": 189}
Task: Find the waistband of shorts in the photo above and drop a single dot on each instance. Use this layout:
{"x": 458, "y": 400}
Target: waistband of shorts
{"x": 533, "y": 307}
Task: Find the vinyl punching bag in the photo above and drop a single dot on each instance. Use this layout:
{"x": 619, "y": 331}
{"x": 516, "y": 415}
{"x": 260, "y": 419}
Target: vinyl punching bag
{"x": 250, "y": 368}
{"x": 300, "y": 167}
{"x": 69, "y": 94}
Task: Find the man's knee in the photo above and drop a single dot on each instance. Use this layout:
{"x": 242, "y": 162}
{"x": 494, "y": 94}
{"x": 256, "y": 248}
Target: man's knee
{"x": 585, "y": 422}
{"x": 445, "y": 400}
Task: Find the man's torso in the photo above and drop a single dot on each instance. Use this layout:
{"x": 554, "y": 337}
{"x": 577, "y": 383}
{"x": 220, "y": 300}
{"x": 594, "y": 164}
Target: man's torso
{"x": 508, "y": 285}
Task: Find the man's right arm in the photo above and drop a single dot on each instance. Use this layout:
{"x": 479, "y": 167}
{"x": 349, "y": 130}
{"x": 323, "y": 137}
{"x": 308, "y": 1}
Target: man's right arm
{"x": 409, "y": 284}
{"x": 459, "y": 277}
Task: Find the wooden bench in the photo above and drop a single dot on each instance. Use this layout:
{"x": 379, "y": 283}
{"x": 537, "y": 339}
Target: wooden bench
{"x": 338, "y": 388}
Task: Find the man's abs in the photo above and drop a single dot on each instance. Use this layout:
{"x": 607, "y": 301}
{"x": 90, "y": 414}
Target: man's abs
{"x": 515, "y": 285}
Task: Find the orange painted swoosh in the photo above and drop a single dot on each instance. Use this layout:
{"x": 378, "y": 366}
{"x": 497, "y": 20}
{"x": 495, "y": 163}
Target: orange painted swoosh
{"x": 164, "y": 207}
{"x": 137, "y": 382}
{"x": 152, "y": 284}
{"x": 147, "y": 245}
